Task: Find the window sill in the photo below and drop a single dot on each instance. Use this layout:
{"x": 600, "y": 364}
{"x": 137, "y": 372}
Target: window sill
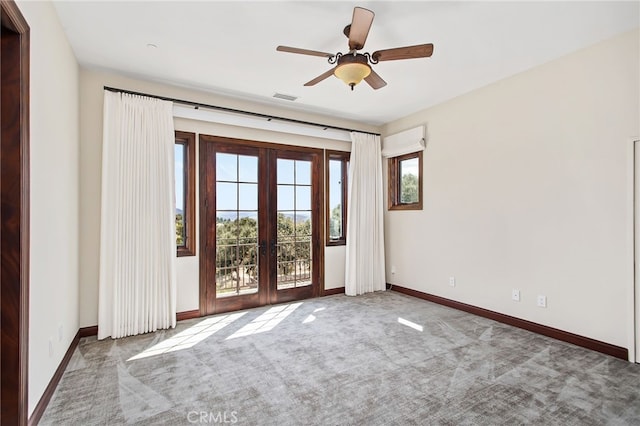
{"x": 414, "y": 206}
{"x": 183, "y": 252}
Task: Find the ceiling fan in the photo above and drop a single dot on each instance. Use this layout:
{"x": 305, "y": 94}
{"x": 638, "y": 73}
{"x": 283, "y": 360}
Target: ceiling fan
{"x": 352, "y": 67}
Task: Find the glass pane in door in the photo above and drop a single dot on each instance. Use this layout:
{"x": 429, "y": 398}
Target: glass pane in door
{"x": 236, "y": 225}
{"x": 294, "y": 256}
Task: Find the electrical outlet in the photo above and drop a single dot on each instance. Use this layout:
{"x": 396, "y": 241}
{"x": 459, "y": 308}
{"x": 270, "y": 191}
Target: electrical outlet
{"x": 452, "y": 281}
{"x": 515, "y": 294}
{"x": 542, "y": 301}
{"x": 393, "y": 269}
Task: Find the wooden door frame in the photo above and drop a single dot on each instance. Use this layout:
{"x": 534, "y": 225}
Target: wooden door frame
{"x": 317, "y": 197}
{"x": 14, "y": 213}
{"x": 636, "y": 290}
{"x": 206, "y": 241}
{"x": 633, "y": 306}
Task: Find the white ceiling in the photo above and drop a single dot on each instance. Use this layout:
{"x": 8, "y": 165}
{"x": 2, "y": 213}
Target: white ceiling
{"x": 229, "y": 47}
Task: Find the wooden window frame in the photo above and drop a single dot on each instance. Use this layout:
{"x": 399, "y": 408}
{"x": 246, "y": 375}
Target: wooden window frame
{"x": 188, "y": 139}
{"x": 394, "y": 183}
{"x": 344, "y": 157}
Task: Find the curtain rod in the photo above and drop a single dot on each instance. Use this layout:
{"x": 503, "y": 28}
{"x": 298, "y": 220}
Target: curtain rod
{"x": 236, "y": 111}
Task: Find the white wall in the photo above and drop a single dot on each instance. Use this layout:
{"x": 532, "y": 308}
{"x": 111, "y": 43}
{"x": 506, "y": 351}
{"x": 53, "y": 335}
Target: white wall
{"x": 525, "y": 187}
{"x": 91, "y": 98}
{"x": 54, "y": 195}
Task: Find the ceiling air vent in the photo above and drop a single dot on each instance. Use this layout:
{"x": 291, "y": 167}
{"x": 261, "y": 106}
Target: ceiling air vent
{"x": 285, "y": 97}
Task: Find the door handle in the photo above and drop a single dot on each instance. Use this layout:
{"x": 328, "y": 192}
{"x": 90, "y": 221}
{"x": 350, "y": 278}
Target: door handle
{"x": 273, "y": 248}
{"x": 263, "y": 248}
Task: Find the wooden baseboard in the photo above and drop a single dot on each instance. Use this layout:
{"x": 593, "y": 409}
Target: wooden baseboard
{"x": 180, "y": 316}
{"x": 565, "y": 336}
{"x": 93, "y": 330}
{"x": 88, "y": 331}
{"x": 332, "y": 291}
{"x": 53, "y": 383}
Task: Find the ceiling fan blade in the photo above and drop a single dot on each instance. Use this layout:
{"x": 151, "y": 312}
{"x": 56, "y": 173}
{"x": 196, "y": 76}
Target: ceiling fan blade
{"x": 303, "y": 51}
{"x": 375, "y": 80}
{"x": 321, "y": 77}
{"x": 360, "y": 26}
{"x": 407, "y": 52}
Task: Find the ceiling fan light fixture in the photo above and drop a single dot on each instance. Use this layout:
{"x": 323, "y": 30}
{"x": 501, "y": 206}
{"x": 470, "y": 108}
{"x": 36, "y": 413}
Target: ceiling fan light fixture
{"x": 352, "y": 69}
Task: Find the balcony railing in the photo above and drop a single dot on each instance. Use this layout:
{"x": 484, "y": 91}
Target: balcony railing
{"x": 237, "y": 265}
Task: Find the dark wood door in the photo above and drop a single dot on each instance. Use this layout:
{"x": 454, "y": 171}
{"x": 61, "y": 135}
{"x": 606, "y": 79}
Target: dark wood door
{"x": 295, "y": 225}
{"x": 14, "y": 217}
{"x": 260, "y": 224}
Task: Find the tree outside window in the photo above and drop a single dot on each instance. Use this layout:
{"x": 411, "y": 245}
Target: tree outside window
{"x": 405, "y": 182}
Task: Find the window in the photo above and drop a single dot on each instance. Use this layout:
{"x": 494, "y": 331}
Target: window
{"x": 405, "y": 182}
{"x": 337, "y": 166}
{"x": 185, "y": 193}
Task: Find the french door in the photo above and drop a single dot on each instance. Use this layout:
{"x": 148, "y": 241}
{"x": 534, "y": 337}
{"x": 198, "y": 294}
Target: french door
{"x": 260, "y": 218}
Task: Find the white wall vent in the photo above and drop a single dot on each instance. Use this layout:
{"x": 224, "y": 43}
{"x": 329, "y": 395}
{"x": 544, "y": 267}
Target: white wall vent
{"x": 285, "y": 97}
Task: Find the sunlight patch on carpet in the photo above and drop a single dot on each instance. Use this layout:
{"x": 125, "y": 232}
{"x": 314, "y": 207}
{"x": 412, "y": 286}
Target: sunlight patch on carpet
{"x": 190, "y": 337}
{"x": 266, "y": 321}
{"x": 311, "y": 317}
{"x": 410, "y": 324}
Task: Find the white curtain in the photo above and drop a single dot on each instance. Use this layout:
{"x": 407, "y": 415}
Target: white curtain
{"x": 364, "y": 271}
{"x": 137, "y": 289}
